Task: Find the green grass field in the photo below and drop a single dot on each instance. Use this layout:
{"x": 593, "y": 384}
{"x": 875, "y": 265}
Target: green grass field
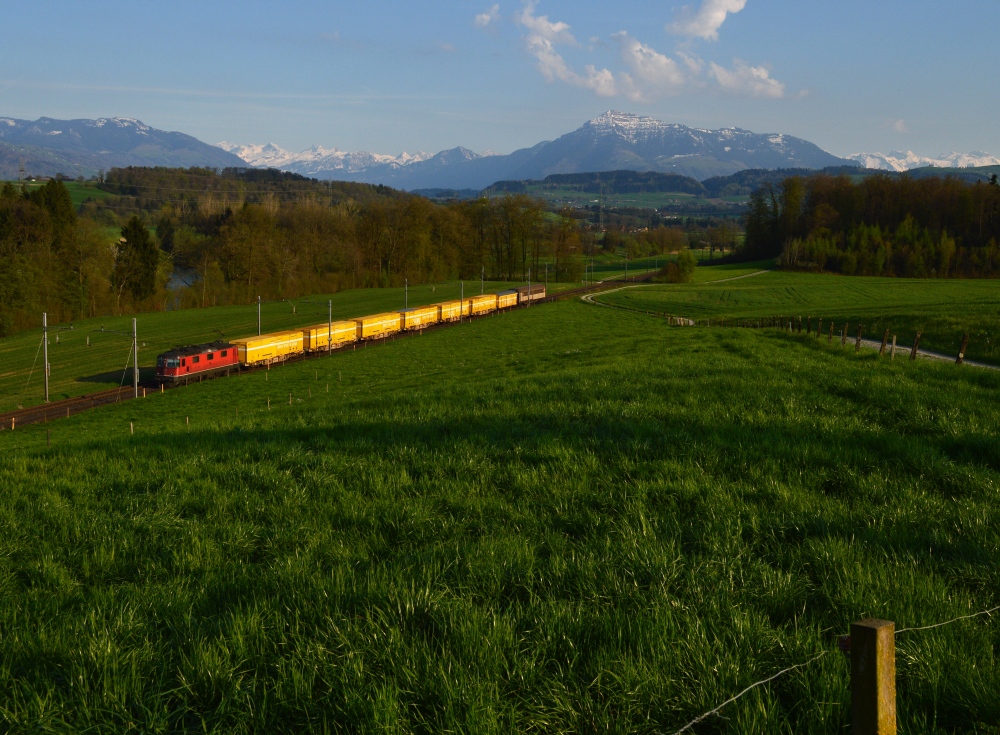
{"x": 564, "y": 519}
{"x": 78, "y": 369}
{"x": 942, "y": 309}
{"x": 79, "y": 192}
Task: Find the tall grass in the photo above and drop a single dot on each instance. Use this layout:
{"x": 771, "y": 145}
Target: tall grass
{"x": 565, "y": 519}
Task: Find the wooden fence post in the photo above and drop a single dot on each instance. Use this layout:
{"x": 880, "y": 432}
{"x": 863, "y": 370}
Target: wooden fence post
{"x": 819, "y": 329}
{"x": 885, "y": 339}
{"x": 873, "y": 677}
{"x": 892, "y": 355}
{"x": 916, "y": 345}
{"x": 857, "y": 344}
{"x": 830, "y": 338}
{"x": 961, "y": 350}
{"x": 843, "y": 335}
{"x": 809, "y": 322}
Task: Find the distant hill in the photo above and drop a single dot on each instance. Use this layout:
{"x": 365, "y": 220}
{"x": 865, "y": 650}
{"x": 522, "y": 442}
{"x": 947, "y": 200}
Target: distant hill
{"x": 613, "y": 141}
{"x": 607, "y": 183}
{"x": 84, "y": 147}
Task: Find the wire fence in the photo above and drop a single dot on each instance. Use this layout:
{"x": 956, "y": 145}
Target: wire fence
{"x": 795, "y": 324}
{"x": 844, "y": 645}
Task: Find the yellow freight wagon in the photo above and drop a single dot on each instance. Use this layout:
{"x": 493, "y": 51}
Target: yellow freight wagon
{"x": 268, "y": 348}
{"x": 507, "y": 299}
{"x": 379, "y": 325}
{"x": 420, "y": 317}
{"x": 452, "y": 311}
{"x": 483, "y": 304}
{"x": 338, "y": 333}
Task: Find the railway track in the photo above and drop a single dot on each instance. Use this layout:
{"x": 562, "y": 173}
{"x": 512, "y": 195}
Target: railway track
{"x": 67, "y": 407}
{"x": 62, "y": 409}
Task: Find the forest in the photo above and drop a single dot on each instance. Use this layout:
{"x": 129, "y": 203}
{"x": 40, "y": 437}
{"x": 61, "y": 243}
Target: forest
{"x": 180, "y": 238}
{"x": 881, "y": 226}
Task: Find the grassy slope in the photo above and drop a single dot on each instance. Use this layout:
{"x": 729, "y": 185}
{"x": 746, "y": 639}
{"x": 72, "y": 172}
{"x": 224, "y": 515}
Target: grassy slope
{"x": 564, "y": 519}
{"x": 78, "y": 369}
{"x": 942, "y": 309}
{"x": 78, "y": 192}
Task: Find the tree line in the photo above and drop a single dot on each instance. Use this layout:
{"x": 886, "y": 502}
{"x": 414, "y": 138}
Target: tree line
{"x": 882, "y": 226}
{"x": 185, "y": 238}
{"x": 158, "y": 238}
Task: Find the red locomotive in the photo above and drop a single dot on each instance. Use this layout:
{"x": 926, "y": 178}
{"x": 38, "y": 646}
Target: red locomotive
{"x": 184, "y": 363}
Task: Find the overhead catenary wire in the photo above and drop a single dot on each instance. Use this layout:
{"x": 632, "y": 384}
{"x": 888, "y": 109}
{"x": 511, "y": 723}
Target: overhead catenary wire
{"x": 31, "y": 372}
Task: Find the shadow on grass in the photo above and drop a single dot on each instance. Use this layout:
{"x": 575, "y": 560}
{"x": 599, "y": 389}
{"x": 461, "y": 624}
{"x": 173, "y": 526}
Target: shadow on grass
{"x": 116, "y": 377}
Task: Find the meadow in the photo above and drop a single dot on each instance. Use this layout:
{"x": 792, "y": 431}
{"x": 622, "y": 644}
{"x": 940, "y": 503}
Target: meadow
{"x": 79, "y": 367}
{"x": 563, "y": 519}
{"x": 79, "y": 192}
{"x": 943, "y": 309}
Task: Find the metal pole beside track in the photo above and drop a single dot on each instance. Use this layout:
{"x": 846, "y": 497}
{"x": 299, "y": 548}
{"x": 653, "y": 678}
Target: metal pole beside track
{"x": 529, "y": 286}
{"x": 135, "y": 361}
{"x": 45, "y": 352}
{"x": 329, "y": 326}
{"x": 406, "y": 293}
{"x": 258, "y": 316}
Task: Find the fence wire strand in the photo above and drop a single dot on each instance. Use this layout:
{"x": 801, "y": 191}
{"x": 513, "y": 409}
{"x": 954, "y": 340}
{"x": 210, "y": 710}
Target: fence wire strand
{"x": 752, "y": 686}
{"x": 949, "y": 622}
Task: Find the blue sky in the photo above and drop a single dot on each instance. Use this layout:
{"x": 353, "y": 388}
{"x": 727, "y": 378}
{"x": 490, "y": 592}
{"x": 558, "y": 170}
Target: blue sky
{"x": 392, "y": 76}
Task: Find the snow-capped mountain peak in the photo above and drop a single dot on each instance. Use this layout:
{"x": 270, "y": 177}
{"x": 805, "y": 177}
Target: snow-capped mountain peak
{"x": 908, "y": 160}
{"x": 627, "y": 125}
{"x": 316, "y": 159}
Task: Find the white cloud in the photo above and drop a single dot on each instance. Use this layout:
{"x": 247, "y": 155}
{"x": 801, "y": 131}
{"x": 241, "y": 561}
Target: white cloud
{"x": 490, "y": 16}
{"x": 646, "y": 74}
{"x": 693, "y": 63}
{"x": 652, "y": 73}
{"x": 743, "y": 79}
{"x": 600, "y": 81}
{"x": 541, "y": 43}
{"x": 706, "y": 21}
{"x": 542, "y": 27}
{"x": 900, "y": 126}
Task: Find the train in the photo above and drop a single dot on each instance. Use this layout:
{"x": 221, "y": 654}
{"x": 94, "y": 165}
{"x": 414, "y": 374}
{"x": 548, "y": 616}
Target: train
{"x": 196, "y": 362}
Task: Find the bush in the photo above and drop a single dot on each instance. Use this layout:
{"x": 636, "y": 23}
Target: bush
{"x": 680, "y": 270}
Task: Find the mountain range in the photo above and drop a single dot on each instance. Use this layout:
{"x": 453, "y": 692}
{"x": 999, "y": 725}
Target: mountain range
{"x": 908, "y": 161}
{"x": 611, "y": 142}
{"x": 45, "y": 147}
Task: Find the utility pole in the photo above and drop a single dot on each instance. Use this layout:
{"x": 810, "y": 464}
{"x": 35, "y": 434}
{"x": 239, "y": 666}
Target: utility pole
{"x": 461, "y": 303}
{"x": 482, "y": 280}
{"x": 329, "y": 326}
{"x": 45, "y": 352}
{"x": 258, "y": 316}
{"x": 406, "y": 294}
{"x": 135, "y": 361}
{"x": 529, "y": 286}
